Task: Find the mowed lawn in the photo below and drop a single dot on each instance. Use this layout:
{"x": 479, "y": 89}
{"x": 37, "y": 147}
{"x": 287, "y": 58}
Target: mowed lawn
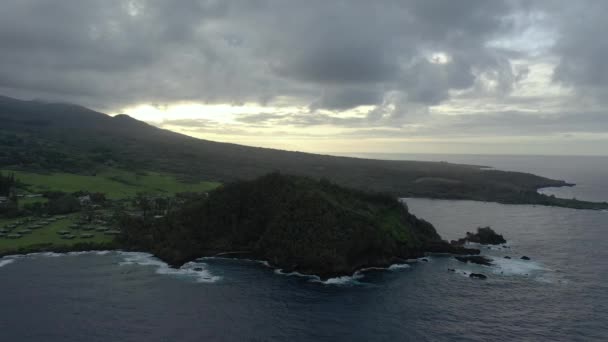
{"x": 116, "y": 184}
{"x": 48, "y": 235}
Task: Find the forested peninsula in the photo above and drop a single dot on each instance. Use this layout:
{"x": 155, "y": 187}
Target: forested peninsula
{"x": 295, "y": 223}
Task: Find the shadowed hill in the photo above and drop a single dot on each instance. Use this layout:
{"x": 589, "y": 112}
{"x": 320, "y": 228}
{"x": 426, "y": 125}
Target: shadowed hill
{"x": 39, "y": 136}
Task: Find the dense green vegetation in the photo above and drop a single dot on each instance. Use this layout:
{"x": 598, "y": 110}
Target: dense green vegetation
{"x": 295, "y": 223}
{"x": 59, "y": 138}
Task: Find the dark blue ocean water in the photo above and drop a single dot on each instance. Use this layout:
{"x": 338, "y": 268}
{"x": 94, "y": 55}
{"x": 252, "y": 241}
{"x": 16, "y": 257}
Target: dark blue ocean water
{"x": 560, "y": 295}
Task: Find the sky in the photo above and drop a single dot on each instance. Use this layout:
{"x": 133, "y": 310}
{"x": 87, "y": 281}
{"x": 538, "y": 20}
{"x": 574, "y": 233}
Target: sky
{"x": 408, "y": 76}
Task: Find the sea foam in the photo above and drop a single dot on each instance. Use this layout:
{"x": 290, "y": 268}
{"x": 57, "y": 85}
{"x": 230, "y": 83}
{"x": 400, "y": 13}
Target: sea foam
{"x": 341, "y": 281}
{"x": 4, "y": 262}
{"x": 516, "y": 267}
{"x": 193, "y": 269}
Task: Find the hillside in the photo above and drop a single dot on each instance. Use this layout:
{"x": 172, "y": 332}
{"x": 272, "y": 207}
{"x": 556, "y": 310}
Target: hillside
{"x": 296, "y": 223}
{"x": 43, "y": 137}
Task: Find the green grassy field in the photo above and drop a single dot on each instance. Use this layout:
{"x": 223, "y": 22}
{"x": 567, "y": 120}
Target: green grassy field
{"x": 116, "y": 184}
{"x": 48, "y": 235}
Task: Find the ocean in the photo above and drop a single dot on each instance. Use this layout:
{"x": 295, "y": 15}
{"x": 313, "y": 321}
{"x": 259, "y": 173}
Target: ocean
{"x": 561, "y": 294}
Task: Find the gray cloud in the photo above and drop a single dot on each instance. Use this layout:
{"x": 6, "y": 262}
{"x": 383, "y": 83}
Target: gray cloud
{"x": 582, "y": 47}
{"x": 334, "y": 55}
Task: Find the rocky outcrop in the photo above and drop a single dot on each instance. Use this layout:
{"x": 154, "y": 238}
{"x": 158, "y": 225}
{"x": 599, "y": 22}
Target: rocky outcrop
{"x": 475, "y": 259}
{"x": 484, "y": 236}
{"x": 477, "y": 276}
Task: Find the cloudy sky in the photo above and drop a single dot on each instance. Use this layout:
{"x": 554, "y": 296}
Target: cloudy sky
{"x": 467, "y": 76}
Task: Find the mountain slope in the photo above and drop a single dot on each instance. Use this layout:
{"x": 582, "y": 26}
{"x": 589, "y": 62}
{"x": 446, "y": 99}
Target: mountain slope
{"x": 63, "y": 137}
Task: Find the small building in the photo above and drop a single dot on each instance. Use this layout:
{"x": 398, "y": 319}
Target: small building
{"x": 14, "y": 236}
{"x": 64, "y": 232}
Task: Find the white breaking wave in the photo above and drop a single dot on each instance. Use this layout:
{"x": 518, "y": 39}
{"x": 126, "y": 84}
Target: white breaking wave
{"x": 89, "y": 253}
{"x": 516, "y": 267}
{"x": 342, "y": 281}
{"x": 395, "y": 267}
{"x": 79, "y": 253}
{"x": 296, "y": 274}
{"x": 46, "y": 254}
{"x": 193, "y": 269}
{"x": 4, "y": 262}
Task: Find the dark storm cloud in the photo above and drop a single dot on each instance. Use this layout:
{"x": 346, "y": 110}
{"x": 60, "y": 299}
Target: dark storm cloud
{"x": 321, "y": 53}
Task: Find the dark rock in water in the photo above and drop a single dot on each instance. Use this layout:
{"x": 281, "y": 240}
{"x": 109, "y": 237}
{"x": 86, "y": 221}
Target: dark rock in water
{"x": 198, "y": 269}
{"x": 475, "y": 259}
{"x": 484, "y": 236}
{"x": 424, "y": 259}
{"x": 525, "y": 258}
{"x": 451, "y": 270}
{"x": 504, "y": 246}
{"x": 507, "y": 257}
{"x": 478, "y": 276}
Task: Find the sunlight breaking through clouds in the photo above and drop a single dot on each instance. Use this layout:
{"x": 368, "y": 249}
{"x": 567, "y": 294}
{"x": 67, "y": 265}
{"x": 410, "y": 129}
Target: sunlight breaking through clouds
{"x": 272, "y": 72}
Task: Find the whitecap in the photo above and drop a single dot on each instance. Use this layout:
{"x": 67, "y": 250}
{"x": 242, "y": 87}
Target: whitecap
{"x": 79, "y": 253}
{"x": 4, "y": 262}
{"x": 393, "y": 267}
{"x": 396, "y": 267}
{"x": 264, "y": 263}
{"x": 343, "y": 280}
{"x": 339, "y": 281}
{"x": 296, "y": 274}
{"x": 45, "y": 254}
{"x": 516, "y": 267}
{"x": 193, "y": 269}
